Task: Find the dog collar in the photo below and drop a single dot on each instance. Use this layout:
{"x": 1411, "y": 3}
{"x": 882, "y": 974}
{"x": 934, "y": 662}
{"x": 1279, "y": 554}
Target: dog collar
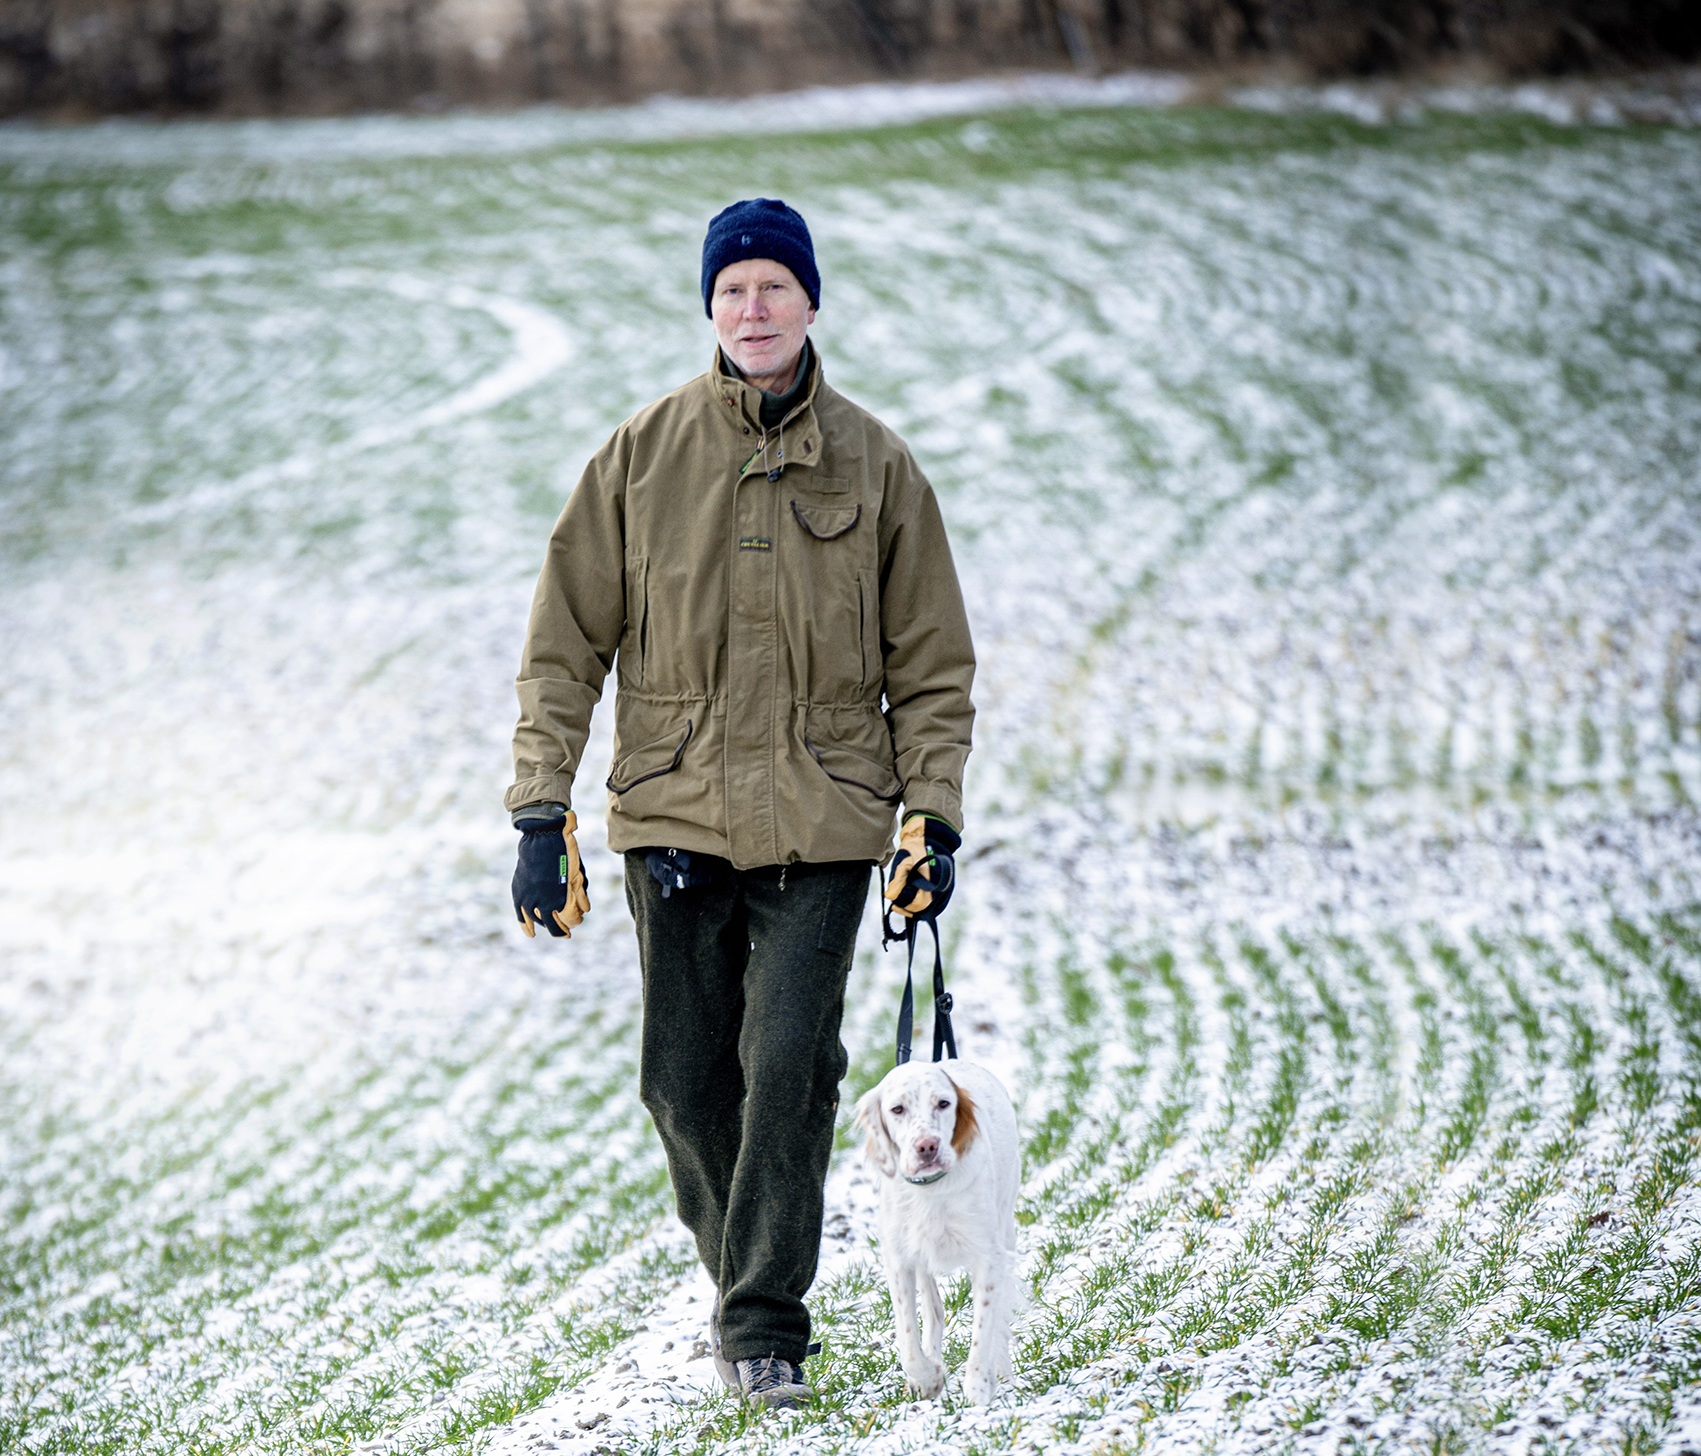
{"x": 931, "y": 1178}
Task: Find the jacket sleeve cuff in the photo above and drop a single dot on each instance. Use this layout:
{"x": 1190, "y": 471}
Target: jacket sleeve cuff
{"x": 544, "y": 789}
{"x": 548, "y": 810}
{"x": 942, "y": 801}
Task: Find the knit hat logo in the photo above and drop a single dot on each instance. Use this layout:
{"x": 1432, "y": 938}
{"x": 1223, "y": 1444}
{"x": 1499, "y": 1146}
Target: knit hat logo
{"x": 760, "y": 227}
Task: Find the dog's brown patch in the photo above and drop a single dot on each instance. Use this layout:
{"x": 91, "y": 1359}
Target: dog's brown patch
{"x": 967, "y": 1129}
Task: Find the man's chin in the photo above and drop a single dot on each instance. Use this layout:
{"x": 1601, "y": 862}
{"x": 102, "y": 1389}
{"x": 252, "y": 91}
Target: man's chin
{"x": 766, "y": 360}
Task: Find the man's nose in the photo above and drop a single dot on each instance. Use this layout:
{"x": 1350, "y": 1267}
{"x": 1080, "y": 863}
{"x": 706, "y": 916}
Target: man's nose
{"x": 756, "y": 306}
{"x": 927, "y": 1148}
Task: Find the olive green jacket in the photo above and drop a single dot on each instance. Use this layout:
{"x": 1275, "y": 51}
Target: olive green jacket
{"x": 759, "y": 594}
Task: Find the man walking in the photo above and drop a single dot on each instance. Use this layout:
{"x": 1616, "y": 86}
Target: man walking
{"x": 765, "y": 567}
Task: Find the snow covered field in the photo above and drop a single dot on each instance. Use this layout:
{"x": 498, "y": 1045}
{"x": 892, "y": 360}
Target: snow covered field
{"x": 1327, "y": 501}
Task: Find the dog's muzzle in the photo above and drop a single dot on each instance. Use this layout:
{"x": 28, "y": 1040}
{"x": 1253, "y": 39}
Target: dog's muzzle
{"x": 932, "y": 1177}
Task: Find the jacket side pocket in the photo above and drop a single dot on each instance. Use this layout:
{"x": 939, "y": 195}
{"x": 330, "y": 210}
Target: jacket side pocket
{"x": 659, "y": 756}
{"x": 873, "y": 659}
{"x": 847, "y": 766}
{"x": 638, "y": 612}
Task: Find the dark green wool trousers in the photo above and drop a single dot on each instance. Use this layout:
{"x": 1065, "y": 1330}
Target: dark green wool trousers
{"x": 744, "y": 990}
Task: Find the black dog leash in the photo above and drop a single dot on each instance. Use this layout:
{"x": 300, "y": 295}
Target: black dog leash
{"x": 943, "y": 1038}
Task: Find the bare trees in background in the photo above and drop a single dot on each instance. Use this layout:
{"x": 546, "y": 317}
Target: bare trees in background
{"x": 265, "y": 56}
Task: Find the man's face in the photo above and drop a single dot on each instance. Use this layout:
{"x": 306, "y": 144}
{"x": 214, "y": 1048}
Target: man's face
{"x": 761, "y": 315}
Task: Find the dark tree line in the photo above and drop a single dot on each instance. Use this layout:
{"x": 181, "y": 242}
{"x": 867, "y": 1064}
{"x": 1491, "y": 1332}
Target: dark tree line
{"x": 263, "y": 56}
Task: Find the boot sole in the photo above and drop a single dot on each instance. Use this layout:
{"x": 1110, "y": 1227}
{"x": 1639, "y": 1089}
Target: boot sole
{"x": 787, "y": 1397}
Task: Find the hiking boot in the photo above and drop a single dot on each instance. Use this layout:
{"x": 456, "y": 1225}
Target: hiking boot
{"x": 724, "y": 1367}
{"x": 777, "y": 1384}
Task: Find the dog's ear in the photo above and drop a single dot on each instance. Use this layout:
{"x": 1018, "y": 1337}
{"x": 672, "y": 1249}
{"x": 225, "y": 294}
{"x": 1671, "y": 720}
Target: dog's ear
{"x": 967, "y": 1129}
{"x": 880, "y": 1150}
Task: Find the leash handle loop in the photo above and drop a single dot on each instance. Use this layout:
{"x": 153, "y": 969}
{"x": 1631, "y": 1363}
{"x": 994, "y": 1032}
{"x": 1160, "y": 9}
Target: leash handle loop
{"x": 944, "y": 1039}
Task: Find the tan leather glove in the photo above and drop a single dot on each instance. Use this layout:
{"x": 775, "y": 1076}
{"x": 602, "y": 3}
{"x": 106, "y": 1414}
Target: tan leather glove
{"x": 912, "y": 851}
{"x": 927, "y": 844}
{"x": 549, "y": 882}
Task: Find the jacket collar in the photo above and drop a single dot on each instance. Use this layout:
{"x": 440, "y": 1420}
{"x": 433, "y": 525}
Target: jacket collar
{"x": 795, "y": 441}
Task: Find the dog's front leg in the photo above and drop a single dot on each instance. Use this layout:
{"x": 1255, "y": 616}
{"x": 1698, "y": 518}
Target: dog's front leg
{"x": 989, "y": 1347}
{"x": 925, "y": 1374}
{"x": 933, "y": 1321}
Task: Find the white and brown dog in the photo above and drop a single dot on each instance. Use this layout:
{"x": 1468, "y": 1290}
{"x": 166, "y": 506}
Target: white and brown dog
{"x": 943, "y": 1134}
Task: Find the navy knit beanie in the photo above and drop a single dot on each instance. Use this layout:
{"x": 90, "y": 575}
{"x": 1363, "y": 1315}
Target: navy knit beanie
{"x": 761, "y": 227}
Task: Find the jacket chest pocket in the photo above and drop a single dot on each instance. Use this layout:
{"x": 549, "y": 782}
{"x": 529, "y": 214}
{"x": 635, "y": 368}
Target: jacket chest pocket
{"x": 832, "y": 546}
{"x": 827, "y": 522}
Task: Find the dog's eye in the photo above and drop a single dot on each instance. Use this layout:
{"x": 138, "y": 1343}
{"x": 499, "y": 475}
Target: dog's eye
{"x": 943, "y": 1104}
{"x": 898, "y": 1111}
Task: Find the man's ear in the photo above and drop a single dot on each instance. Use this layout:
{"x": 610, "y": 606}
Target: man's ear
{"x": 880, "y": 1150}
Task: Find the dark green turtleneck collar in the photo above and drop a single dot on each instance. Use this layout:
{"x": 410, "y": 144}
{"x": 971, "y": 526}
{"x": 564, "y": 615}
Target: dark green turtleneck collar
{"x": 775, "y": 407}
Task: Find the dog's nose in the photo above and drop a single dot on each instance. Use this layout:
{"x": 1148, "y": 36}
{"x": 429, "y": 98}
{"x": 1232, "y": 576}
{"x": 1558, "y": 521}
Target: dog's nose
{"x": 927, "y": 1148}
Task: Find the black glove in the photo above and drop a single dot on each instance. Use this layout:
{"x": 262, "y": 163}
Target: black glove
{"x": 549, "y": 881}
{"x": 923, "y": 870}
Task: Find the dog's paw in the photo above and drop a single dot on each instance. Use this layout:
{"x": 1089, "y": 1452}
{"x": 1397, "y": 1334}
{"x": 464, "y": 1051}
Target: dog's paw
{"x": 980, "y": 1384}
{"x": 926, "y": 1378}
